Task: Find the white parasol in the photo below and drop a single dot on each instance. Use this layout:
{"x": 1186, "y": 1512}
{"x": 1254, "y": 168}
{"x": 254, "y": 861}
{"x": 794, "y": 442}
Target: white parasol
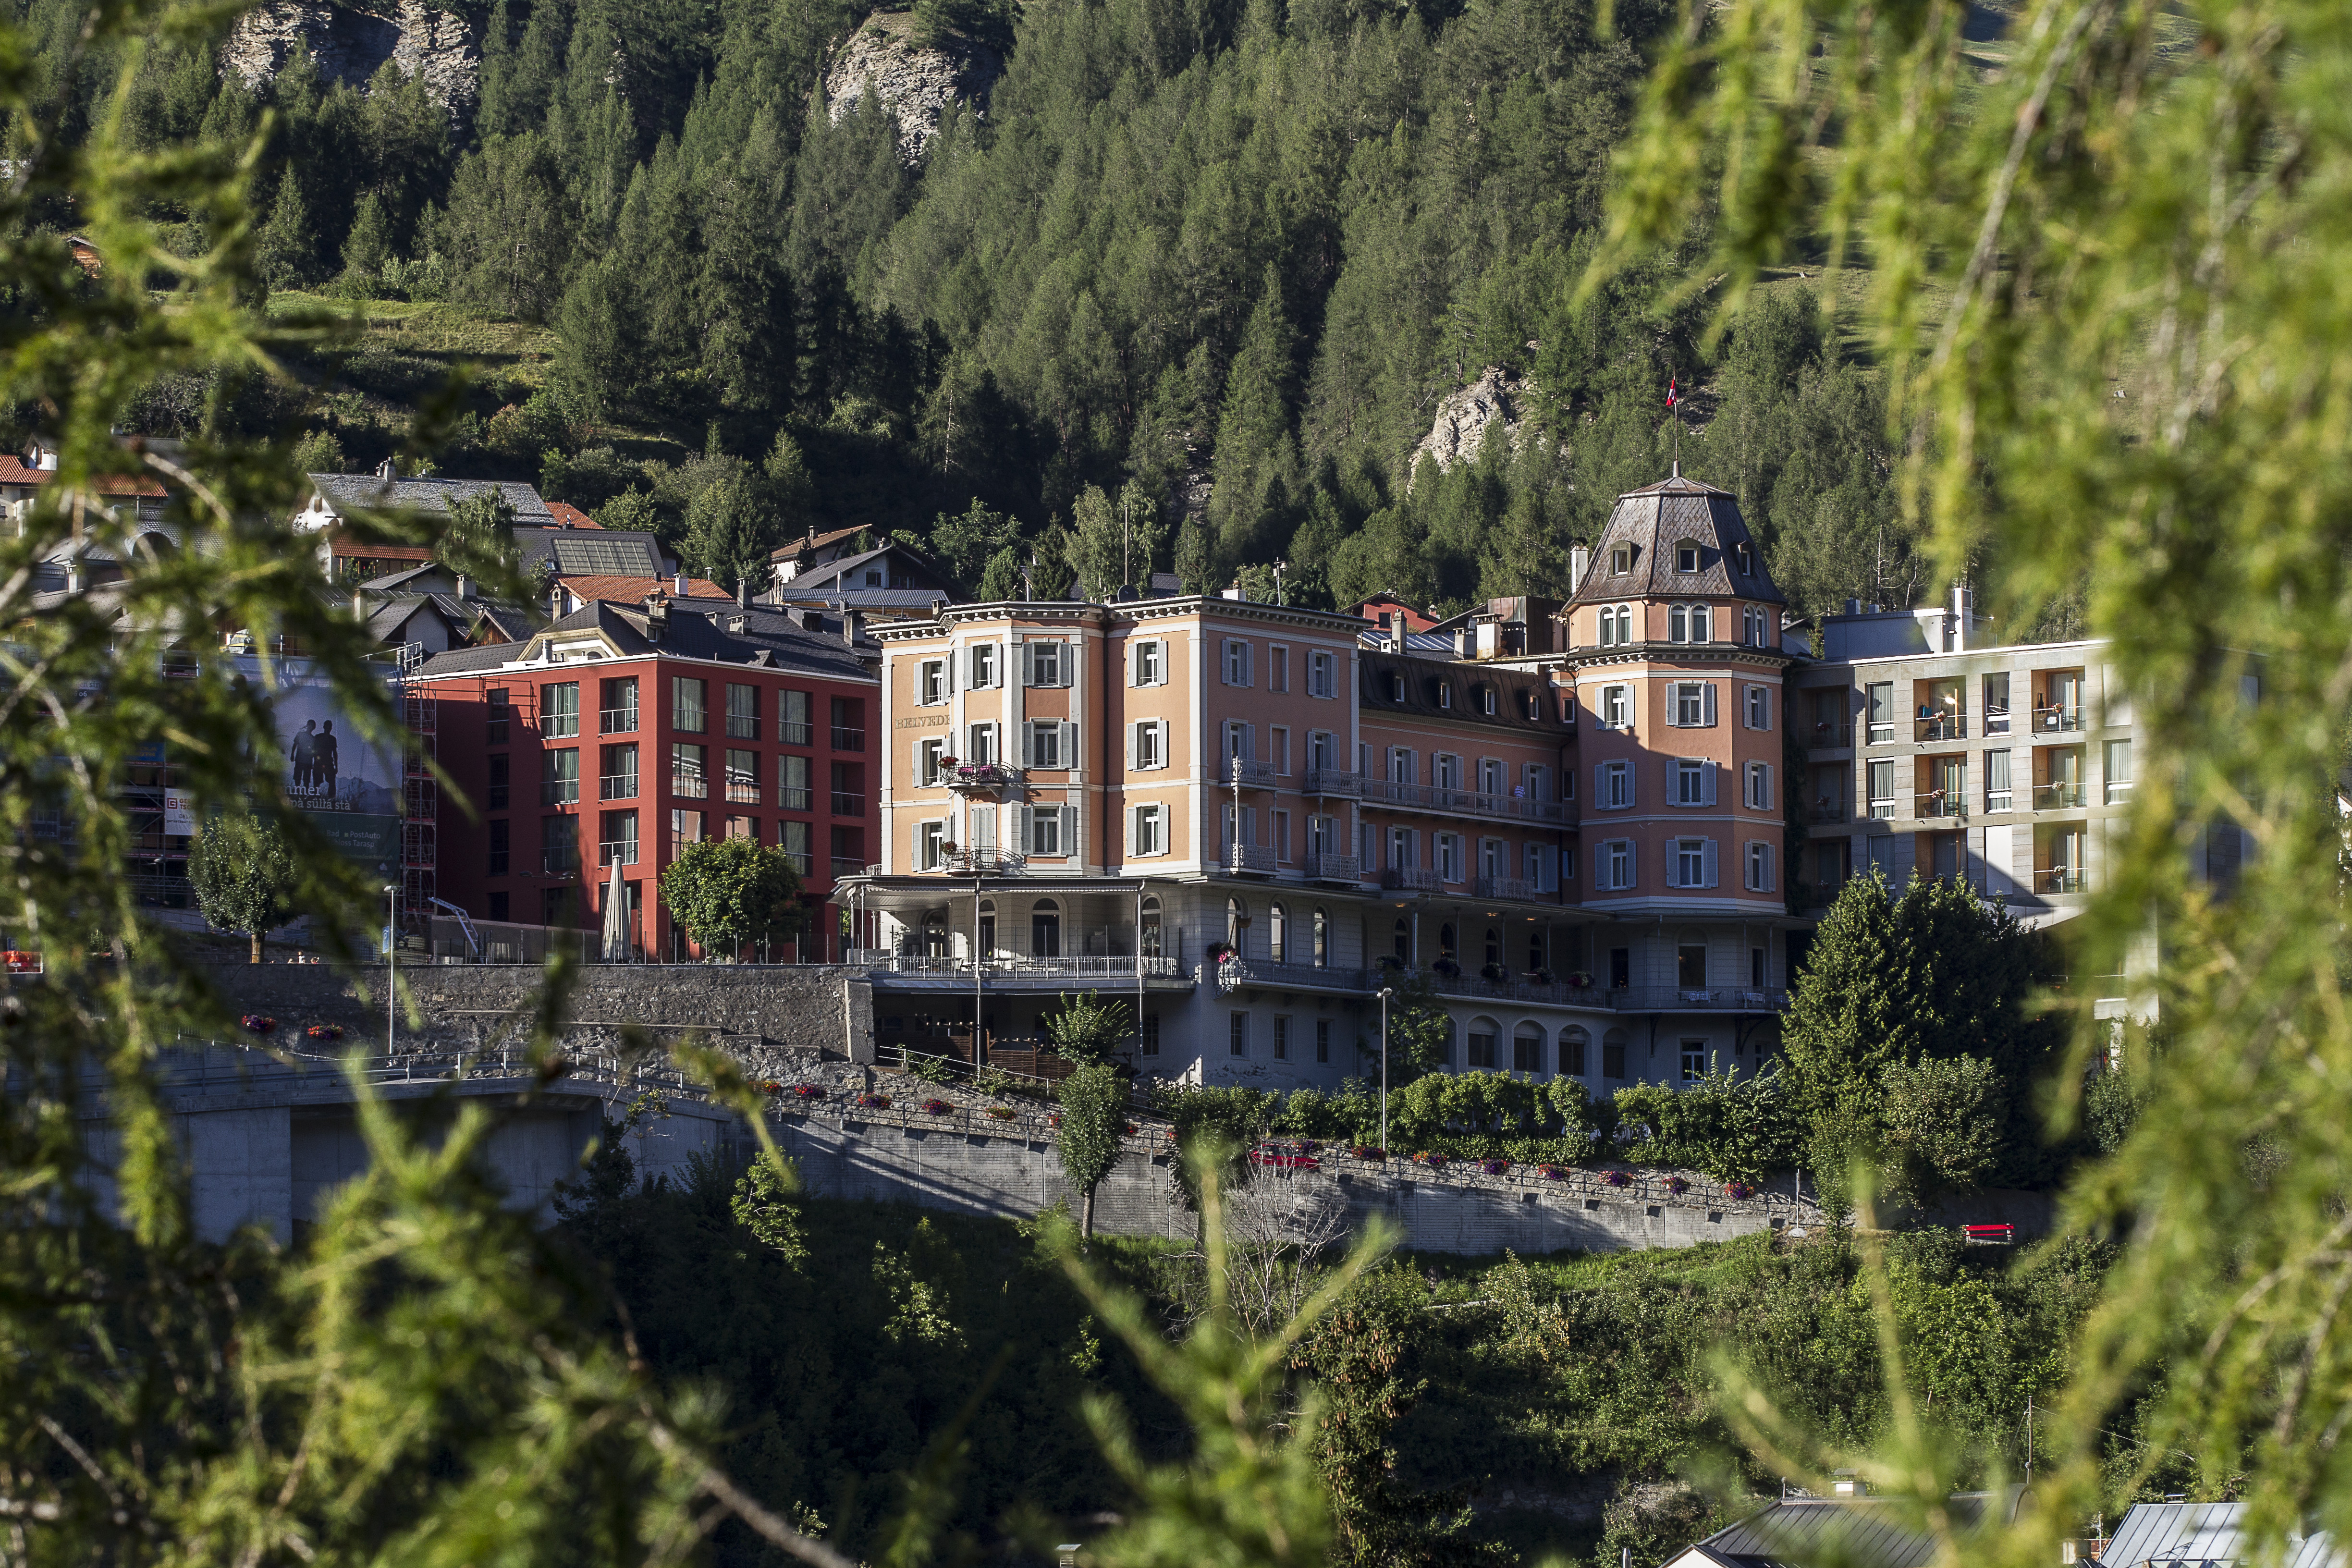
{"x": 616, "y": 918}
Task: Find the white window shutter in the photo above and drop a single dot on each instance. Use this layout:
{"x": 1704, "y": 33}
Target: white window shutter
{"x": 1020, "y": 840}
{"x": 1764, "y": 706}
{"x": 1707, "y": 786}
{"x": 1633, "y": 786}
{"x": 1070, "y": 832}
{"x": 983, "y": 827}
{"x": 1069, "y": 758}
{"x": 1633, "y": 864}
{"x": 1764, "y": 789}
{"x": 1772, "y": 882}
{"x": 1707, "y": 719}
{"x": 1161, "y": 726}
{"x": 1706, "y": 863}
{"x": 1133, "y": 736}
{"x": 1134, "y": 828}
{"x": 1164, "y": 663}
{"x": 1028, "y": 752}
{"x": 1028, "y": 664}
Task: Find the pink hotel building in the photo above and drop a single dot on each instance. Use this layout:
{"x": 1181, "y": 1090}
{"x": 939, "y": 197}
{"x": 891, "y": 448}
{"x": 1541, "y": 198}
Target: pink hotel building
{"x": 1244, "y": 818}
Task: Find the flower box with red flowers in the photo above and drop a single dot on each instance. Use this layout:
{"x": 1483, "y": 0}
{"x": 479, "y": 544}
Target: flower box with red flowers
{"x": 807, "y": 1091}
{"x": 1552, "y": 1172}
{"x": 1739, "y": 1191}
{"x": 257, "y": 1024}
{"x": 772, "y": 1087}
{"x": 1003, "y": 1112}
{"x": 1367, "y": 1151}
{"x": 874, "y": 1102}
{"x": 1430, "y": 1158}
{"x": 325, "y": 1031}
{"x": 1496, "y": 1167}
{"x": 1679, "y": 1186}
{"x": 1617, "y": 1178}
{"x": 936, "y": 1107}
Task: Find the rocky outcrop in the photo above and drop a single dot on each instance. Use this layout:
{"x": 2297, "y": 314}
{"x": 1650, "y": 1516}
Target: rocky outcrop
{"x": 1467, "y": 418}
{"x": 916, "y": 82}
{"x": 350, "y": 47}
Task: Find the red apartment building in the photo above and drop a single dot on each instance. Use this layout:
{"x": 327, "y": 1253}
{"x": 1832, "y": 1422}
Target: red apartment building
{"x": 621, "y": 731}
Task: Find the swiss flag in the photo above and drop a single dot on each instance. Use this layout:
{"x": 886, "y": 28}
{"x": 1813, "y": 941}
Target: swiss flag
{"x": 1670, "y": 391}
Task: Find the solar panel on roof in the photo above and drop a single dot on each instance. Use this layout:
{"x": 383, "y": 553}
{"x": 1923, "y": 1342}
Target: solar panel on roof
{"x": 603, "y": 558}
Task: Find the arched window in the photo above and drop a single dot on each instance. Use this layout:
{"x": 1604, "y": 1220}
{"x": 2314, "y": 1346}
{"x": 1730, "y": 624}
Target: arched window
{"x": 1237, "y": 920}
{"x": 935, "y": 935}
{"x": 1322, "y": 939}
{"x": 1535, "y": 956}
{"x": 1702, "y": 623}
{"x": 1151, "y": 928}
{"x": 1573, "y": 1043}
{"x": 1528, "y": 1048}
{"x": 1403, "y": 947}
{"x": 1446, "y": 945}
{"x": 1677, "y": 624}
{"x": 1495, "y": 952}
{"x": 988, "y": 928}
{"x": 1482, "y": 1045}
{"x": 1625, "y": 623}
{"x": 1045, "y": 929}
{"x": 1278, "y": 934}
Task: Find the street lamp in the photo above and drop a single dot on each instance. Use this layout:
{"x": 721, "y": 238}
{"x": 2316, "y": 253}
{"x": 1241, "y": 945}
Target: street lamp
{"x": 391, "y": 957}
{"x": 1387, "y": 992}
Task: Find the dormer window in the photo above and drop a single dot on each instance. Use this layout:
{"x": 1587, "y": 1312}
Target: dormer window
{"x": 1745, "y": 554}
{"x": 1444, "y": 694}
{"x": 1486, "y": 700}
{"x": 1621, "y": 559}
{"x": 1396, "y": 688}
{"x": 1687, "y": 555}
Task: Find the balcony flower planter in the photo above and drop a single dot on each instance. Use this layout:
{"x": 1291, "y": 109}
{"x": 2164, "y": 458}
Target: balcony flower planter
{"x": 1003, "y": 1112}
{"x": 1447, "y": 967}
{"x": 1219, "y": 950}
{"x": 936, "y": 1108}
{"x": 1366, "y": 1151}
{"x": 1539, "y": 977}
{"x": 257, "y": 1024}
{"x": 1495, "y": 972}
{"x": 1677, "y": 1185}
{"x": 1739, "y": 1191}
{"x": 1552, "y": 1172}
{"x": 1390, "y": 960}
{"x": 1578, "y": 981}
{"x": 874, "y": 1102}
{"x": 807, "y": 1091}
{"x": 772, "y": 1087}
{"x": 1496, "y": 1167}
{"x": 1435, "y": 1161}
{"x": 325, "y": 1031}
{"x": 1617, "y": 1178}
{"x": 1132, "y": 1129}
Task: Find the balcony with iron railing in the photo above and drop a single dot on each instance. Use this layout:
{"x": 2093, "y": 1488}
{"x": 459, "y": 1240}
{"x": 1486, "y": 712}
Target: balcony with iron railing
{"x": 743, "y": 789}
{"x": 984, "y": 862}
{"x": 981, "y": 777}
{"x": 1412, "y": 879}
{"x": 2058, "y": 879}
{"x": 1506, "y": 887}
{"x": 617, "y": 786}
{"x": 743, "y": 726}
{"x": 690, "y": 784}
{"x": 2058, "y": 797}
{"x": 1826, "y": 808}
{"x": 1999, "y": 800}
{"x": 559, "y": 792}
{"x": 1996, "y": 719}
{"x": 846, "y": 804}
{"x": 1455, "y": 802}
{"x": 2057, "y": 718}
{"x": 1335, "y": 782}
{"x": 616, "y": 721}
{"x": 849, "y": 740}
{"x": 1248, "y": 858}
{"x": 795, "y": 797}
{"x": 1006, "y": 966}
{"x": 1334, "y": 867}
{"x": 795, "y": 732}
{"x": 1939, "y": 803}
{"x": 846, "y": 865}
{"x": 1249, "y": 773}
{"x": 1952, "y": 724}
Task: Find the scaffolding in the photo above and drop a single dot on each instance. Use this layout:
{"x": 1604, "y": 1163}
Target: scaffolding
{"x": 420, "y": 791}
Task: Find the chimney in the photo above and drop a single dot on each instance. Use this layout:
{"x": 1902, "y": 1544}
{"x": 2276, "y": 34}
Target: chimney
{"x": 1466, "y": 643}
{"x": 742, "y": 592}
{"x": 1396, "y": 630}
{"x": 677, "y": 583}
{"x": 1964, "y": 614}
{"x": 1579, "y": 559}
{"x": 555, "y": 601}
{"x": 387, "y": 472}
{"x": 465, "y": 586}
{"x": 848, "y": 624}
{"x": 1854, "y": 606}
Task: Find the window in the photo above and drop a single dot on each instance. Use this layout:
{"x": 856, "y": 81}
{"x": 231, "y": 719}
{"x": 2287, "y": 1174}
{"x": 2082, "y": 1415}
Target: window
{"x": 1402, "y": 854}
{"x": 1743, "y": 554}
{"x": 1280, "y": 821}
{"x": 1567, "y": 863}
{"x": 1882, "y": 790}
{"x": 1677, "y": 624}
{"x": 1045, "y": 830}
{"x": 1616, "y": 707}
{"x": 616, "y": 777}
{"x": 494, "y": 731}
{"x": 743, "y": 777}
{"x": 1490, "y": 775}
{"x": 1691, "y": 704}
{"x": 1444, "y": 693}
{"x": 1689, "y": 858}
{"x": 1759, "y": 706}
{"x": 793, "y": 783}
{"x": 931, "y": 845}
{"x": 1528, "y": 1048}
{"x": 1625, "y": 618}
{"x": 559, "y": 846}
{"x": 1759, "y": 787}
{"x": 1322, "y": 675}
{"x": 1691, "y": 777}
{"x": 931, "y": 686}
{"x": 1150, "y": 743}
{"x": 1482, "y": 1045}
{"x": 1759, "y": 867}
{"x": 1621, "y": 559}
{"x": 1045, "y": 929}
{"x": 1486, "y": 700}
{"x": 1149, "y": 839}
{"x": 1401, "y": 940}
{"x": 1694, "y": 1060}
{"x": 1150, "y": 664}
{"x": 982, "y": 663}
{"x": 499, "y": 766}
{"x": 686, "y": 772}
{"x": 1237, "y": 662}
{"x": 1445, "y": 771}
{"x": 1045, "y": 744}
{"x": 685, "y": 709}
{"x": 1150, "y": 928}
{"x": 1278, "y": 744}
{"x": 1687, "y": 555}
{"x": 1621, "y": 968}
{"x": 1996, "y": 704}
{"x": 1322, "y": 1039}
{"x": 1573, "y": 1042}
{"x": 1613, "y": 1054}
{"x": 793, "y": 839}
{"x": 1042, "y": 664}
{"x": 1401, "y": 765}
{"x": 1449, "y": 856}
{"x": 1756, "y": 968}
{"x": 1151, "y": 1034}
{"x": 617, "y": 707}
{"x": 1879, "y": 700}
{"x": 559, "y": 710}
{"x": 1396, "y": 687}
{"x": 1615, "y": 866}
{"x": 559, "y": 777}
{"x": 1322, "y": 952}
{"x": 1322, "y": 751}
{"x": 2119, "y": 772}
{"x": 1281, "y": 1038}
{"x": 502, "y": 839}
{"x": 1702, "y": 623}
{"x": 1616, "y": 787}
{"x": 1277, "y": 668}
{"x": 684, "y": 827}
{"x": 1237, "y": 1034}
{"x": 793, "y": 718}
{"x": 1690, "y": 961}
{"x": 1753, "y": 628}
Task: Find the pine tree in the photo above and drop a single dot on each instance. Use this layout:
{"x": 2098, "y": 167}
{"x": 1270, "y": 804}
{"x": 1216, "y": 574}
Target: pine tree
{"x": 368, "y": 244}
{"x": 285, "y": 251}
{"x": 732, "y": 530}
{"x": 1256, "y": 467}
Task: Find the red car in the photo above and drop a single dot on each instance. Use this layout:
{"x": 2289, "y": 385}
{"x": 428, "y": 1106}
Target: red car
{"x": 1284, "y": 1157}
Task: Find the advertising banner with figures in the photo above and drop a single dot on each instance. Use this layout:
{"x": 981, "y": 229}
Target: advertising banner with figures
{"x": 349, "y": 787}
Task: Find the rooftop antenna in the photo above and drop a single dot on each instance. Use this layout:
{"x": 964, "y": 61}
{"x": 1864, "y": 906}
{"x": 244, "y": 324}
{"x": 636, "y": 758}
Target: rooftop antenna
{"x": 1278, "y": 567}
{"x": 1674, "y": 407}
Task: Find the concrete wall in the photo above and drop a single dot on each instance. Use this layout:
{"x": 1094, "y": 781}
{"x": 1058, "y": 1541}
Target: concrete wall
{"x": 806, "y": 1008}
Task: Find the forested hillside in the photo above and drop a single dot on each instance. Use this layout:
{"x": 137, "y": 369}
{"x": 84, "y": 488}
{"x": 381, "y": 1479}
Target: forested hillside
{"x": 1218, "y": 257}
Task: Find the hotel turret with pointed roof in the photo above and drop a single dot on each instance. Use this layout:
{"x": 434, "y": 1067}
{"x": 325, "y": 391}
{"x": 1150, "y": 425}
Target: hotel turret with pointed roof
{"x": 1677, "y": 540}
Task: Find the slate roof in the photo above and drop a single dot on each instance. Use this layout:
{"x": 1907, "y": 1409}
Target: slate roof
{"x": 831, "y": 573}
{"x": 360, "y": 490}
{"x": 1854, "y": 1532}
{"x": 1657, "y": 518}
{"x": 2202, "y": 1534}
{"x": 1422, "y": 677}
{"x": 768, "y": 639}
{"x": 869, "y": 598}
